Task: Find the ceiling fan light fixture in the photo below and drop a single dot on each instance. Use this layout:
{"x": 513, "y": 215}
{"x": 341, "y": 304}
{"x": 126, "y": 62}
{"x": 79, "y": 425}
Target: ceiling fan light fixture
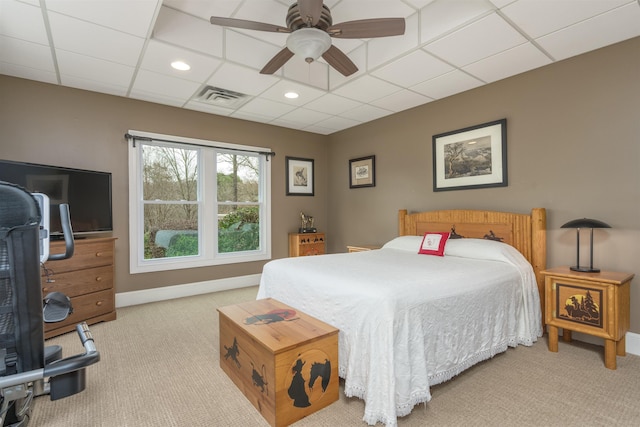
{"x": 309, "y": 43}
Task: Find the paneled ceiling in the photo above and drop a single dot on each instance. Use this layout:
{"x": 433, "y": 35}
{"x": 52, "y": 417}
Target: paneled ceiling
{"x": 125, "y": 48}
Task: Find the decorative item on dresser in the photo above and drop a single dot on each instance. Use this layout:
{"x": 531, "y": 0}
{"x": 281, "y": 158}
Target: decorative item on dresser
{"x": 591, "y": 303}
{"x": 86, "y": 278}
{"x": 305, "y": 244}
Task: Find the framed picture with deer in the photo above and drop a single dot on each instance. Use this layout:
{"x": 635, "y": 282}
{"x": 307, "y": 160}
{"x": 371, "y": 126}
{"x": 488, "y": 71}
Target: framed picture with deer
{"x": 473, "y": 157}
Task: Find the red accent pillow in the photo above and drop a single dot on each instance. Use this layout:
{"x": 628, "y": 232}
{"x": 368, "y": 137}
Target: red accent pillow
{"x": 433, "y": 243}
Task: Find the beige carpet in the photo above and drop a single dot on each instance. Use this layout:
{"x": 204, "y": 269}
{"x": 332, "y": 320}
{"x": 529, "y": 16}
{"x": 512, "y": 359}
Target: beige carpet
{"x": 159, "y": 367}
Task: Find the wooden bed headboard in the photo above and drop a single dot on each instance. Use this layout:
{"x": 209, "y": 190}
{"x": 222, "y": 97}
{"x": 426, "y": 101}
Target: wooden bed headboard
{"x": 526, "y": 232}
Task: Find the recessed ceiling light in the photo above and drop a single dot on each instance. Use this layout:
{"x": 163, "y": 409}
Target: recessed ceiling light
{"x": 291, "y": 95}
{"x": 179, "y": 65}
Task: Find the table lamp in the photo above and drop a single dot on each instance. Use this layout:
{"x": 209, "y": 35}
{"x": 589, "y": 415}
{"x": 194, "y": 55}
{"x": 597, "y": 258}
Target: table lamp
{"x": 585, "y": 223}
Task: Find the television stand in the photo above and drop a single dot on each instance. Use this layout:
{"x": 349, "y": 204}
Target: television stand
{"x": 86, "y": 278}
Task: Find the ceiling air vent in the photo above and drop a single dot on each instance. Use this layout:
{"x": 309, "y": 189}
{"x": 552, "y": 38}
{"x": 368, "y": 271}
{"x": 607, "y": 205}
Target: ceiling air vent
{"x": 222, "y": 97}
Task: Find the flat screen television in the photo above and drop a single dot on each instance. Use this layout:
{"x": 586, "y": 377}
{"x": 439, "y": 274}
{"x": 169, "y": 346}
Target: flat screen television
{"x": 88, "y": 194}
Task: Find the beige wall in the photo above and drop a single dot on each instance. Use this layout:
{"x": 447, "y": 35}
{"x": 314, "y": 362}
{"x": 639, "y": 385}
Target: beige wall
{"x": 42, "y": 123}
{"x": 573, "y": 148}
{"x": 573, "y": 136}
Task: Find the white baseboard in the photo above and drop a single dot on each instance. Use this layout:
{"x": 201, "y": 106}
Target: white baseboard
{"x": 633, "y": 343}
{"x": 124, "y": 299}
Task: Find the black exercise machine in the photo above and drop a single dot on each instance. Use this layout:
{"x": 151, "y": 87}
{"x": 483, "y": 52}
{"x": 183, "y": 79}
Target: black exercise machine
{"x": 28, "y": 368}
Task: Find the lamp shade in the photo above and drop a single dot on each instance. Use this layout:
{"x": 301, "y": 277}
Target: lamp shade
{"x": 309, "y": 43}
{"x": 585, "y": 223}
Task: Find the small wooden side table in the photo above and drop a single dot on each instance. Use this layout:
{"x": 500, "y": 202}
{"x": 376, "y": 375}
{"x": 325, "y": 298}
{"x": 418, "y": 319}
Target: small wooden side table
{"x": 591, "y": 303}
{"x": 306, "y": 244}
{"x": 362, "y": 248}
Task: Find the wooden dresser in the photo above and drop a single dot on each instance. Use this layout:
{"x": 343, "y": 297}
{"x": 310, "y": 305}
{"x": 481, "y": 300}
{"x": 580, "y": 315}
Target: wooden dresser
{"x": 86, "y": 278}
{"x": 305, "y": 244}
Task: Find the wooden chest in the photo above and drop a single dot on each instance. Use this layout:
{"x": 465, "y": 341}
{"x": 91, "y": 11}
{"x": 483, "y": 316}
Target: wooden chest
{"x": 284, "y": 361}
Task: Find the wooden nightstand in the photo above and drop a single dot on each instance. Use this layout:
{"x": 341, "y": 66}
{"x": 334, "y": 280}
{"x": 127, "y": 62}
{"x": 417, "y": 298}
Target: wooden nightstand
{"x": 362, "y": 248}
{"x": 591, "y": 303}
{"x": 306, "y": 244}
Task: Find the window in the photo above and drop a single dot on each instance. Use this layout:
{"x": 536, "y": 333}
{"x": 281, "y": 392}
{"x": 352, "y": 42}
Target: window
{"x": 194, "y": 203}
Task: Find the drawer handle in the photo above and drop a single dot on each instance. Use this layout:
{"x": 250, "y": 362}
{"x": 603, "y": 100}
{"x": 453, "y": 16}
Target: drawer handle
{"x": 98, "y": 303}
{"x": 45, "y": 290}
{"x": 98, "y": 278}
{"x": 98, "y": 253}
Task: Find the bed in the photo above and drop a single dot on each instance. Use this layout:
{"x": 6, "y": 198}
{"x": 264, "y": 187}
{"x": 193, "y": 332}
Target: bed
{"x": 409, "y": 321}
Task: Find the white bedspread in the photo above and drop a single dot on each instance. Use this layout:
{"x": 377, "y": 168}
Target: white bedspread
{"x": 409, "y": 321}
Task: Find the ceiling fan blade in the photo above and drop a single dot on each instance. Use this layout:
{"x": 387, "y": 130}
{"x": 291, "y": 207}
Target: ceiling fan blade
{"x": 277, "y": 61}
{"x": 368, "y": 28}
{"x": 338, "y": 60}
{"x": 310, "y": 10}
{"x": 247, "y": 25}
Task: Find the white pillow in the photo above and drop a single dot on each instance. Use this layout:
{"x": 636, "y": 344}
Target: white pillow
{"x": 405, "y": 243}
{"x": 480, "y": 249}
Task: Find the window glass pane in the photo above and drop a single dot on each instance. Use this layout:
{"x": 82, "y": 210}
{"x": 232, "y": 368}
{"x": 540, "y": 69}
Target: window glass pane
{"x": 175, "y": 223}
{"x": 170, "y": 173}
{"x": 238, "y": 177}
{"x": 238, "y": 228}
{"x": 170, "y": 230}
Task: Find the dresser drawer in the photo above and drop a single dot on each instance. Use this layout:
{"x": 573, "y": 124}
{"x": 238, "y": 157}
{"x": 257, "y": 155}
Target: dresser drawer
{"x": 85, "y": 307}
{"x": 88, "y": 253}
{"x": 80, "y": 282}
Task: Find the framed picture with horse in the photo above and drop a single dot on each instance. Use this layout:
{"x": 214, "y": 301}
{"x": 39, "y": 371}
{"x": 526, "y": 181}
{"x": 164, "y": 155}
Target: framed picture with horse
{"x": 300, "y": 177}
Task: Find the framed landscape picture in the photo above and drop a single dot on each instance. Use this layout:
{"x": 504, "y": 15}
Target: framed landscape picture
{"x": 299, "y": 174}
{"x": 362, "y": 172}
{"x": 473, "y": 157}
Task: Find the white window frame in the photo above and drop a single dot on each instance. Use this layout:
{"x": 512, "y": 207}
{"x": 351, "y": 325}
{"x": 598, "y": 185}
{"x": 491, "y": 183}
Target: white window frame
{"x": 207, "y": 188}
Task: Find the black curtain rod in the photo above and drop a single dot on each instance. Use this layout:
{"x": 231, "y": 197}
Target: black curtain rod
{"x": 146, "y": 138}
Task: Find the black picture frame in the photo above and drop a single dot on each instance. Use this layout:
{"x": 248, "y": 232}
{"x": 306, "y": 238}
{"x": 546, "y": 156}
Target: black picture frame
{"x": 300, "y": 176}
{"x": 362, "y": 172}
{"x": 457, "y": 166}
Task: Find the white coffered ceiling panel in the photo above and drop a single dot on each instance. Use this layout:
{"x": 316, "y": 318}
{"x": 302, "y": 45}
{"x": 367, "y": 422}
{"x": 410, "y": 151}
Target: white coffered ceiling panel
{"x": 188, "y": 32}
{"x": 158, "y": 57}
{"x": 608, "y": 28}
{"x": 447, "y": 84}
{"x": 26, "y": 54}
{"x": 401, "y": 100}
{"x": 125, "y": 48}
{"x": 538, "y": 18}
{"x": 480, "y": 39}
{"x": 30, "y": 27}
{"x": 510, "y": 62}
{"x": 241, "y": 79}
{"x": 412, "y": 69}
{"x": 99, "y": 71}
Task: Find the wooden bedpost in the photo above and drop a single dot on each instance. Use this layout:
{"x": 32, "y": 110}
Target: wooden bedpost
{"x": 539, "y": 250}
{"x": 402, "y": 218}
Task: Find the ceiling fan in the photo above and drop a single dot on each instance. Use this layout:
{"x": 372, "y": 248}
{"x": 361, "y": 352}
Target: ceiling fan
{"x": 311, "y": 28}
